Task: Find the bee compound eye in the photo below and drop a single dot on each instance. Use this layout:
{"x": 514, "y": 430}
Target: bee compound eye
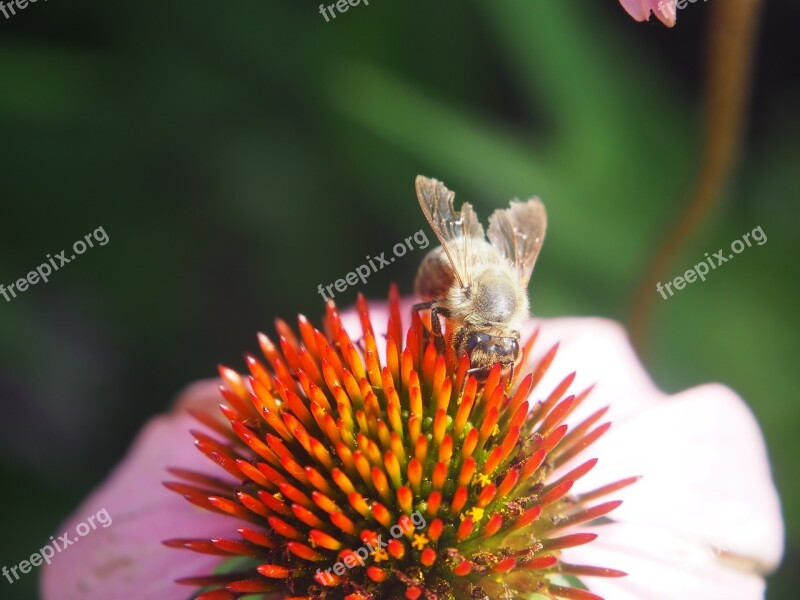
{"x": 506, "y": 347}
{"x": 476, "y": 339}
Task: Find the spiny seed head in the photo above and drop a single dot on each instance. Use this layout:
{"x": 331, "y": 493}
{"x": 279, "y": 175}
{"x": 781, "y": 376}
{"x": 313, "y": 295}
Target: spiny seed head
{"x": 358, "y": 480}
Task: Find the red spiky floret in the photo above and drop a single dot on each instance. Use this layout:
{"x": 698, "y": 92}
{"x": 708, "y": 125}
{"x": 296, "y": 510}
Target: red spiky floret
{"x": 355, "y": 478}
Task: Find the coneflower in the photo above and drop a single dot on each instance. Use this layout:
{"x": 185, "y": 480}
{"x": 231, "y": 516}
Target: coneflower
{"x": 331, "y": 451}
{"x": 359, "y": 443}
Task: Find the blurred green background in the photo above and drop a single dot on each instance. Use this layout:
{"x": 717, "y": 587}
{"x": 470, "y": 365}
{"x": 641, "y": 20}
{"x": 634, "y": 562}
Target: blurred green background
{"x": 239, "y": 154}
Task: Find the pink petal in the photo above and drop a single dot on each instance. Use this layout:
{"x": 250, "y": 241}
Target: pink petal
{"x": 695, "y": 450}
{"x": 662, "y": 566}
{"x": 636, "y": 9}
{"x": 706, "y": 475}
{"x": 126, "y": 560}
{"x": 640, "y": 10}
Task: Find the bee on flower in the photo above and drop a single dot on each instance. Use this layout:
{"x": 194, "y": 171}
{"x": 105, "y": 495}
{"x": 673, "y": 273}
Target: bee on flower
{"x": 373, "y": 457}
{"x": 323, "y": 447}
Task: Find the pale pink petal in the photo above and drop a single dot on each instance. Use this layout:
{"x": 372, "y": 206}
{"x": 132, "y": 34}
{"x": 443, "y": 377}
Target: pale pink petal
{"x": 696, "y": 450}
{"x": 662, "y": 566}
{"x": 126, "y": 560}
{"x": 640, "y": 10}
{"x": 706, "y": 475}
{"x": 636, "y": 9}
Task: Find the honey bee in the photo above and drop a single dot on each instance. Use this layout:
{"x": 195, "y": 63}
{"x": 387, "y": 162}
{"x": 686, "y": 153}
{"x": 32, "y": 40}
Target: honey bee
{"x": 480, "y": 285}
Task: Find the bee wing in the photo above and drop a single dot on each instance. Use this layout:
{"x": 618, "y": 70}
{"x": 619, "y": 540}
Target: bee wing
{"x": 455, "y": 229}
{"x": 518, "y": 233}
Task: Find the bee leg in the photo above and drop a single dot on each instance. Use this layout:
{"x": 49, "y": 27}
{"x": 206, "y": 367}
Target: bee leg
{"x": 510, "y": 381}
{"x": 466, "y": 378}
{"x": 436, "y": 324}
{"x": 423, "y": 306}
{"x": 463, "y": 386}
{"x": 438, "y": 336}
{"x": 513, "y": 370}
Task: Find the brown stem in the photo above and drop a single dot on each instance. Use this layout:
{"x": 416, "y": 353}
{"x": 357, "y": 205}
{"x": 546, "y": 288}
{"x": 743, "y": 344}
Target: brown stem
{"x": 732, "y": 37}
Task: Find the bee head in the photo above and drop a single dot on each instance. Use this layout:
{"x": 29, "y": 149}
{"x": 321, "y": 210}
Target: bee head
{"x": 500, "y": 348}
{"x": 484, "y": 350}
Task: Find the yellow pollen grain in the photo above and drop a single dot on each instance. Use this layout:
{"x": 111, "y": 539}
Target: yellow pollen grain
{"x": 481, "y": 479}
{"x": 420, "y": 541}
{"x": 476, "y": 514}
{"x": 380, "y": 555}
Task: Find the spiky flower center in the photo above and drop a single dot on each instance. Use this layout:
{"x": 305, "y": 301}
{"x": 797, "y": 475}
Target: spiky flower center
{"x": 358, "y": 480}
